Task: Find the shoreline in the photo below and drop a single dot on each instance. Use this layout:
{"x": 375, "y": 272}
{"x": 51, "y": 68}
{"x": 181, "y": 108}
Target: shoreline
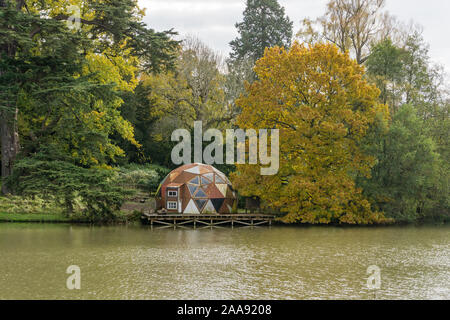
{"x": 6, "y": 217}
{"x": 59, "y": 218}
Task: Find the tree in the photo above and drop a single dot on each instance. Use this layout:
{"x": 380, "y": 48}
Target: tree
{"x": 197, "y": 89}
{"x": 419, "y": 76}
{"x": 410, "y": 181}
{"x": 385, "y": 69}
{"x": 96, "y": 189}
{"x": 194, "y": 91}
{"x": 265, "y": 25}
{"x": 406, "y": 183}
{"x": 42, "y": 60}
{"x": 352, "y": 25}
{"x": 319, "y": 100}
{"x": 239, "y": 74}
{"x": 406, "y": 76}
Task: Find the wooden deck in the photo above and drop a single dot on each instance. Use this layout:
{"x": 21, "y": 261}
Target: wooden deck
{"x": 206, "y": 220}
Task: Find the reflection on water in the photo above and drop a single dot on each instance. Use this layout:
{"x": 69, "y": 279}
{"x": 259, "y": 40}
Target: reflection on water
{"x": 135, "y": 262}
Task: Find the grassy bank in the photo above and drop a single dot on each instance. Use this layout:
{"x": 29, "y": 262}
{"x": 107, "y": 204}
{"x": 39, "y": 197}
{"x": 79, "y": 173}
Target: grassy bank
{"x": 20, "y": 209}
{"x": 84, "y": 198}
{"x": 34, "y": 217}
{"x": 121, "y": 217}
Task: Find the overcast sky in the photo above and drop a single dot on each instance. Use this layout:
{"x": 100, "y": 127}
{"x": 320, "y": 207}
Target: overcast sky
{"x": 213, "y": 20}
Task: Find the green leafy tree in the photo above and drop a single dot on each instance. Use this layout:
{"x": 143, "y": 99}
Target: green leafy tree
{"x": 96, "y": 190}
{"x": 198, "y": 88}
{"x": 61, "y": 86}
{"x": 406, "y": 182}
{"x": 265, "y": 25}
{"x": 385, "y": 68}
{"x": 411, "y": 179}
{"x": 138, "y": 109}
{"x": 405, "y": 75}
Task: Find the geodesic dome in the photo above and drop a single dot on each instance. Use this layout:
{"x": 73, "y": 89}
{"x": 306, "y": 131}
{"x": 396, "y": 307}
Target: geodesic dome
{"x": 197, "y": 189}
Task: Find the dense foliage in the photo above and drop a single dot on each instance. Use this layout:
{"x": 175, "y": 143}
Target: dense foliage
{"x": 62, "y": 86}
{"x": 407, "y": 182}
{"x": 87, "y": 113}
{"x": 144, "y": 177}
{"x": 94, "y": 191}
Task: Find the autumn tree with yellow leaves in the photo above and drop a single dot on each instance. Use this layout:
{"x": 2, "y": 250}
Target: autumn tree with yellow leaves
{"x": 319, "y": 100}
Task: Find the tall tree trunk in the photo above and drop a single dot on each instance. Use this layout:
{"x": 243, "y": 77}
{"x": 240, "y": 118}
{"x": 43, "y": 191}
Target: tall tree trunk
{"x": 10, "y": 144}
{"x": 9, "y": 134}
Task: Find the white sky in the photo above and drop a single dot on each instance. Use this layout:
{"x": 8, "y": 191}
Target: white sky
{"x": 213, "y": 20}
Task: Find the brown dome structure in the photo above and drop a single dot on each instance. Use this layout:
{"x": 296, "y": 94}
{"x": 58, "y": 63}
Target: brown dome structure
{"x": 196, "y": 189}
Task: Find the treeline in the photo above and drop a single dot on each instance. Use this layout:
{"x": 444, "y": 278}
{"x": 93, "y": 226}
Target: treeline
{"x": 363, "y": 113}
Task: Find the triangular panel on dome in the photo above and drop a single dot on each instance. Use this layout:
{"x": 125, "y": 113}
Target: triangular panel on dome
{"x": 209, "y": 176}
{"x": 191, "y": 208}
{"x": 196, "y": 181}
{"x": 209, "y": 208}
{"x": 195, "y": 170}
{"x": 203, "y": 169}
{"x": 219, "y": 179}
{"x": 222, "y": 188}
{"x": 187, "y": 166}
{"x": 192, "y": 188}
{"x": 200, "y": 203}
{"x": 200, "y": 194}
{"x": 213, "y": 192}
{"x": 205, "y": 181}
{"x": 230, "y": 193}
{"x": 217, "y": 203}
{"x": 226, "y": 206}
{"x": 221, "y": 174}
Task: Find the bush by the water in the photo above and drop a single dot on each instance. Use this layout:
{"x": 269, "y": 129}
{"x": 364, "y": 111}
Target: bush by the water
{"x": 95, "y": 194}
{"x": 145, "y": 177}
{"x": 93, "y": 191}
{"x": 29, "y": 205}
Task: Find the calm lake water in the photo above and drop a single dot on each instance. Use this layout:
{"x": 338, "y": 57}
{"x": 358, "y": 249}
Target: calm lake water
{"x": 134, "y": 262}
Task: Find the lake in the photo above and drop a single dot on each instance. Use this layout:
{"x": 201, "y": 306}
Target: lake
{"x": 135, "y": 262}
